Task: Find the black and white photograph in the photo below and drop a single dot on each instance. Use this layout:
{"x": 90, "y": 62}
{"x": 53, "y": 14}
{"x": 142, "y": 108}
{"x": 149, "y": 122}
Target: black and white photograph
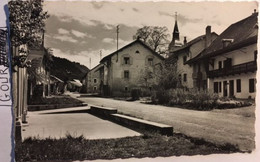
{"x": 131, "y": 80}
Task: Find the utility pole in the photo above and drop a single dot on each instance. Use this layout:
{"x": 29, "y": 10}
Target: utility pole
{"x": 117, "y": 35}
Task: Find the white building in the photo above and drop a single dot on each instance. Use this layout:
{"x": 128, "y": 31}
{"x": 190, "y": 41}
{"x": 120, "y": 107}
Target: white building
{"x": 187, "y": 72}
{"x": 231, "y": 60}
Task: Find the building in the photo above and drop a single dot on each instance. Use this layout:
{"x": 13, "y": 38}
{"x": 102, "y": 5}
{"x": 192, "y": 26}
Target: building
{"x": 38, "y": 72}
{"x": 231, "y": 60}
{"x": 94, "y": 80}
{"x": 126, "y": 69}
{"x": 187, "y": 73}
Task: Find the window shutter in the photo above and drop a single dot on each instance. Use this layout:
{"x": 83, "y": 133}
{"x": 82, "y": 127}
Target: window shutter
{"x": 215, "y": 87}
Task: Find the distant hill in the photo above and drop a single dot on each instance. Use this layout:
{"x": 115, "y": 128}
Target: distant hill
{"x": 65, "y": 69}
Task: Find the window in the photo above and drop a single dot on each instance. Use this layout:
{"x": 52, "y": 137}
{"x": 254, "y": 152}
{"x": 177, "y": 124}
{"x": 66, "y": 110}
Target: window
{"x": 179, "y": 78}
{"x": 150, "y": 61}
{"x": 184, "y": 77}
{"x": 251, "y": 85}
{"x": 215, "y": 87}
{"x": 184, "y": 59}
{"x": 95, "y": 80}
{"x": 220, "y": 65}
{"x": 126, "y": 60}
{"x": 137, "y": 52}
{"x": 95, "y": 88}
{"x": 126, "y": 89}
{"x": 228, "y": 63}
{"x": 238, "y": 85}
{"x": 219, "y": 86}
{"x": 126, "y": 74}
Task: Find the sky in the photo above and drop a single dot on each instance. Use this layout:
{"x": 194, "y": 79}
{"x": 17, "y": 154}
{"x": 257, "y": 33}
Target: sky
{"x": 84, "y": 31}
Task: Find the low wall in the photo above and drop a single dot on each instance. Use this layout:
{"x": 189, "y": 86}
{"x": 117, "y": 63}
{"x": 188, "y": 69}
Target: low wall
{"x": 55, "y": 106}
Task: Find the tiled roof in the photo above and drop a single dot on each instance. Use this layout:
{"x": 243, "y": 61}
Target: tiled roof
{"x": 128, "y": 45}
{"x": 241, "y": 32}
{"x": 193, "y": 41}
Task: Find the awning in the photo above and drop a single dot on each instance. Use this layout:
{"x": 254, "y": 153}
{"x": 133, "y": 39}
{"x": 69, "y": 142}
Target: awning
{"x": 76, "y": 82}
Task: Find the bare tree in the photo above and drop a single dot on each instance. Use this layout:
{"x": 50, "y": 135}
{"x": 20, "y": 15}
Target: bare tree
{"x": 154, "y": 36}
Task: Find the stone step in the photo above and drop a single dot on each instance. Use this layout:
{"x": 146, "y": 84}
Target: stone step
{"x": 103, "y": 111}
{"x": 143, "y": 124}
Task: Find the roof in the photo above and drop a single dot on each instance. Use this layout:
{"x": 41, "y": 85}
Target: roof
{"x": 76, "y": 82}
{"x": 242, "y": 33}
{"x": 55, "y": 78}
{"x": 130, "y": 44}
{"x": 193, "y": 41}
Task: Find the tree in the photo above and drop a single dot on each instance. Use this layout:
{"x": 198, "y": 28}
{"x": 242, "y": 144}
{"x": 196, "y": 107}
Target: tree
{"x": 26, "y": 22}
{"x": 155, "y": 37}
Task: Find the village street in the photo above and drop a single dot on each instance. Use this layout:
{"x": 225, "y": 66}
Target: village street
{"x": 235, "y": 126}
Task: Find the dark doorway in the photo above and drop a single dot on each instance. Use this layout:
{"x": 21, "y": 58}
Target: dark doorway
{"x": 231, "y": 88}
{"x": 225, "y": 88}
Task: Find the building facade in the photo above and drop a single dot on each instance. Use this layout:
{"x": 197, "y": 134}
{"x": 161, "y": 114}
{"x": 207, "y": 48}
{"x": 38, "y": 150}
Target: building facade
{"x": 129, "y": 68}
{"x": 231, "y": 60}
{"x": 94, "y": 80}
{"x": 191, "y": 75}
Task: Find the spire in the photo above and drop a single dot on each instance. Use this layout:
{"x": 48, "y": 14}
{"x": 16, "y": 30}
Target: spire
{"x": 175, "y": 37}
{"x": 176, "y": 34}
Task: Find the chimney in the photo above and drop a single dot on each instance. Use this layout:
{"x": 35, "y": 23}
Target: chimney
{"x": 185, "y": 41}
{"x": 208, "y": 36}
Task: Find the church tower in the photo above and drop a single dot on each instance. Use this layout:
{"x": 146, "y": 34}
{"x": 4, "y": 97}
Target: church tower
{"x": 175, "y": 43}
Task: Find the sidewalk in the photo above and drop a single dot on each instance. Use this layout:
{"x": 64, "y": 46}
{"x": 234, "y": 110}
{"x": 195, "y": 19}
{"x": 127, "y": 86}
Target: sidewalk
{"x": 75, "y": 121}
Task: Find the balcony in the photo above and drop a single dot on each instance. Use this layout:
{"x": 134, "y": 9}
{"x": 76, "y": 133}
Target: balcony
{"x": 236, "y": 69}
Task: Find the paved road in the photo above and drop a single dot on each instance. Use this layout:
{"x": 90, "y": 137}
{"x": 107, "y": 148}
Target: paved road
{"x": 235, "y": 126}
{"x": 57, "y": 123}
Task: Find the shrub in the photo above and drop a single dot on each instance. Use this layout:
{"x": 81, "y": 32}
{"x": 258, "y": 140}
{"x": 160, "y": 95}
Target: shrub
{"x": 161, "y": 97}
{"x": 178, "y": 97}
{"x": 135, "y": 93}
{"x": 199, "y": 100}
{"x": 203, "y": 100}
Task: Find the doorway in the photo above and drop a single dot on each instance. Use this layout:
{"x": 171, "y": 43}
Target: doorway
{"x": 231, "y": 88}
{"x": 225, "y": 88}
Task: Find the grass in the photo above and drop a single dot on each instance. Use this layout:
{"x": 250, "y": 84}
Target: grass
{"x": 79, "y": 148}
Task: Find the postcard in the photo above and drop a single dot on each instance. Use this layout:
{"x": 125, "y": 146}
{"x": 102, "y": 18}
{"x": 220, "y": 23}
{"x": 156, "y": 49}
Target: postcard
{"x": 128, "y": 80}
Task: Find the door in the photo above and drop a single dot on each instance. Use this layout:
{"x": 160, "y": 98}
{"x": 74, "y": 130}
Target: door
{"x": 231, "y": 88}
{"x": 225, "y": 88}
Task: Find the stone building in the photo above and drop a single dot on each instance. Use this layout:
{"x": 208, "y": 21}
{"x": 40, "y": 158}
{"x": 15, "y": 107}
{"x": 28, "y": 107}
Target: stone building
{"x": 127, "y": 68}
{"x": 94, "y": 80}
{"x": 231, "y": 60}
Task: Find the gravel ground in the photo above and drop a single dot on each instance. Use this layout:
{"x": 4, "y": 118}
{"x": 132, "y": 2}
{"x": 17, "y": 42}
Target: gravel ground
{"x": 235, "y": 126}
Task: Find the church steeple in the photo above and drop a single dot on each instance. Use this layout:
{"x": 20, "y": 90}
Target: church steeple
{"x": 176, "y": 34}
{"x": 175, "y": 37}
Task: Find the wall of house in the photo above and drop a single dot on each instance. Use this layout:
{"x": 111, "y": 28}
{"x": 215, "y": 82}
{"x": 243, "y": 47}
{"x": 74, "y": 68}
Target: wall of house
{"x": 94, "y": 80}
{"x": 182, "y": 68}
{"x": 239, "y": 56}
{"x": 244, "y": 85}
{"x": 137, "y": 68}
